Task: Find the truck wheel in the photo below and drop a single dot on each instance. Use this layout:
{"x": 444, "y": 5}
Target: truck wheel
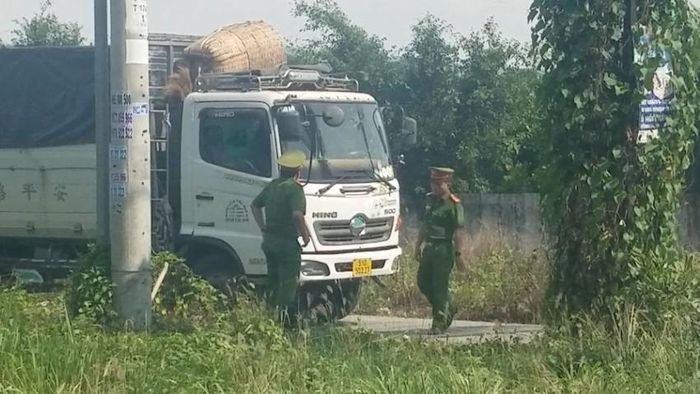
{"x": 327, "y": 302}
{"x": 216, "y": 268}
{"x": 349, "y": 297}
{"x": 161, "y": 227}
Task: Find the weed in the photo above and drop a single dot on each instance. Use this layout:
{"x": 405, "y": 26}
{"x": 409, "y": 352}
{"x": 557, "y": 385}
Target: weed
{"x": 246, "y": 352}
{"x": 183, "y": 295}
{"x": 90, "y": 291}
{"x": 499, "y": 284}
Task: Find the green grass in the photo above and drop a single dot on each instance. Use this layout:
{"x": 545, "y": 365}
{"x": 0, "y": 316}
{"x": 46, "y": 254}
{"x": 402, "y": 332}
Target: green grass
{"x": 41, "y": 351}
{"x": 499, "y": 284}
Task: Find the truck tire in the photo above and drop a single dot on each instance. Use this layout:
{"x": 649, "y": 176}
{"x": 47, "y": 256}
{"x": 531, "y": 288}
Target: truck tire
{"x": 327, "y": 302}
{"x": 161, "y": 226}
{"x": 216, "y": 268}
{"x": 349, "y": 297}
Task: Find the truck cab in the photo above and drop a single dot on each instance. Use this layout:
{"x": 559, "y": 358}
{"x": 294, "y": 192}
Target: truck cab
{"x": 232, "y": 131}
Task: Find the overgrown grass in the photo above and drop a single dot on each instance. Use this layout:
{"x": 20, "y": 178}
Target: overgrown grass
{"x": 500, "y": 284}
{"x": 201, "y": 344}
{"x": 244, "y": 352}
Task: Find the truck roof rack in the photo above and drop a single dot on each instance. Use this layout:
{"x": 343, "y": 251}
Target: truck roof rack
{"x": 288, "y": 78}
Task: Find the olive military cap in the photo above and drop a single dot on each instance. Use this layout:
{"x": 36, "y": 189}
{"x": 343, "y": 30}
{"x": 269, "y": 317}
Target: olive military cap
{"x": 292, "y": 159}
{"x": 441, "y": 173}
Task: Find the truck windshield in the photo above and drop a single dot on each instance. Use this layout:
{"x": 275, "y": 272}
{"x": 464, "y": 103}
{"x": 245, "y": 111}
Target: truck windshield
{"x": 346, "y": 140}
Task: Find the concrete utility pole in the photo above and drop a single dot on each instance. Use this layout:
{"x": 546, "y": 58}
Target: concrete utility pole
{"x": 102, "y": 119}
{"x": 130, "y": 163}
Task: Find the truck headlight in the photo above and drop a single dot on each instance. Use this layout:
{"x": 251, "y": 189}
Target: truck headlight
{"x": 314, "y": 268}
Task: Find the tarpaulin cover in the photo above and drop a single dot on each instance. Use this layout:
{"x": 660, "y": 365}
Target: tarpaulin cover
{"x": 46, "y": 97}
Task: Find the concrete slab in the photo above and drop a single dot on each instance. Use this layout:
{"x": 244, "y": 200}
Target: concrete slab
{"x": 461, "y": 331}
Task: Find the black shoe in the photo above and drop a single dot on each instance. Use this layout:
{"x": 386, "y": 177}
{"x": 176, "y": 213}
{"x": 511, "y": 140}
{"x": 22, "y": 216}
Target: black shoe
{"x": 450, "y": 317}
{"x": 436, "y": 331}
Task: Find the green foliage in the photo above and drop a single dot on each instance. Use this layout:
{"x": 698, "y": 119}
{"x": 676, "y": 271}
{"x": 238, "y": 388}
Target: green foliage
{"x": 347, "y": 48}
{"x": 44, "y": 29}
{"x": 610, "y": 204}
{"x": 187, "y": 302}
{"x": 473, "y": 97}
{"x": 432, "y": 80}
{"x": 183, "y": 295}
{"x": 498, "y": 114}
{"x": 90, "y": 291}
{"x": 254, "y": 323}
{"x": 42, "y": 352}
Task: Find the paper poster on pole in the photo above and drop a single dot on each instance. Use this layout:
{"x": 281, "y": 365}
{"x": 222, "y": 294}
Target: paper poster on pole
{"x": 137, "y": 51}
{"x": 117, "y": 153}
{"x": 118, "y": 184}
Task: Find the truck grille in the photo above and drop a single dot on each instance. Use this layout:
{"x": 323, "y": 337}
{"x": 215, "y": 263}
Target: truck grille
{"x": 337, "y": 232}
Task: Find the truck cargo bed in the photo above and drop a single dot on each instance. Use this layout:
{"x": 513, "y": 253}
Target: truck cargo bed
{"x": 48, "y": 192}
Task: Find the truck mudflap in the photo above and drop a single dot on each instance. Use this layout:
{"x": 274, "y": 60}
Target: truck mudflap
{"x": 349, "y": 265}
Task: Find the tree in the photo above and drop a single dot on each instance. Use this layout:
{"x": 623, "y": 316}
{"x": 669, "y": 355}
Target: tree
{"x": 497, "y": 114}
{"x": 610, "y": 204}
{"x": 348, "y": 48}
{"x": 44, "y": 29}
{"x": 473, "y": 97}
{"x": 431, "y": 78}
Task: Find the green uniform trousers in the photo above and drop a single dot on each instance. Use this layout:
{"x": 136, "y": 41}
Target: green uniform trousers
{"x": 283, "y": 257}
{"x": 434, "y": 278}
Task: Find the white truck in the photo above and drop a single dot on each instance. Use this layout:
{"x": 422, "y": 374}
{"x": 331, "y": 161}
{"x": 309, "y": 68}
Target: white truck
{"x": 211, "y": 155}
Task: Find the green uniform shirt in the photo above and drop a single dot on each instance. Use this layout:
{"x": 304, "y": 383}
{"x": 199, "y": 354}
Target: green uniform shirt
{"x": 442, "y": 217}
{"x": 281, "y": 198}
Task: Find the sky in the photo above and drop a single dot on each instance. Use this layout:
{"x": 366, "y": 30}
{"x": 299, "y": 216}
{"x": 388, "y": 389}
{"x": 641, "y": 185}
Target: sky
{"x": 391, "y": 19}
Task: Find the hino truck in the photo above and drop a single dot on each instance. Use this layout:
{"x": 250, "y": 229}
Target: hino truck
{"x": 212, "y": 153}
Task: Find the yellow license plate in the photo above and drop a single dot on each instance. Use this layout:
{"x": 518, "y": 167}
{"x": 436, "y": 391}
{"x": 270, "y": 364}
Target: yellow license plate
{"x": 361, "y": 267}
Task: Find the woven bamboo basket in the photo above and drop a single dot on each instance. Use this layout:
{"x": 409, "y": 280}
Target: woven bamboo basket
{"x": 240, "y": 47}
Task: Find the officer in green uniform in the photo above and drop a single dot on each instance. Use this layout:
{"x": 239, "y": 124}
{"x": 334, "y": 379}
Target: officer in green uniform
{"x": 285, "y": 206}
{"x": 441, "y": 231}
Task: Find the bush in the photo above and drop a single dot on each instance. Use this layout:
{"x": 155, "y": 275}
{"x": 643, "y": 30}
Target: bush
{"x": 183, "y": 295}
{"x": 90, "y": 291}
{"x": 184, "y": 302}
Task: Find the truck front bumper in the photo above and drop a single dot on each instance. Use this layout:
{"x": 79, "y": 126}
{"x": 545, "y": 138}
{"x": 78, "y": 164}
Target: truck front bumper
{"x": 320, "y": 267}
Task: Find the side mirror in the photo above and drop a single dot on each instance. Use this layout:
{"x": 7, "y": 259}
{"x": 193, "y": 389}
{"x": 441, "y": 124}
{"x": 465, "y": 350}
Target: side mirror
{"x": 333, "y": 116}
{"x": 390, "y": 115}
{"x": 404, "y": 128}
{"x": 289, "y": 125}
{"x": 409, "y": 130}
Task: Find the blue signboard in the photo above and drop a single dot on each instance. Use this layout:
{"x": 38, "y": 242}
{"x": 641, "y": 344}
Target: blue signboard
{"x": 656, "y": 106}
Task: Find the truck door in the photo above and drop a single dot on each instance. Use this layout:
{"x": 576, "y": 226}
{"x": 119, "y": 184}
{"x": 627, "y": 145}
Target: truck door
{"x": 233, "y": 164}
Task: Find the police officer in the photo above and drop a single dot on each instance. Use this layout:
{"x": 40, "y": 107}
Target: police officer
{"x": 282, "y": 224}
{"x": 441, "y": 231}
